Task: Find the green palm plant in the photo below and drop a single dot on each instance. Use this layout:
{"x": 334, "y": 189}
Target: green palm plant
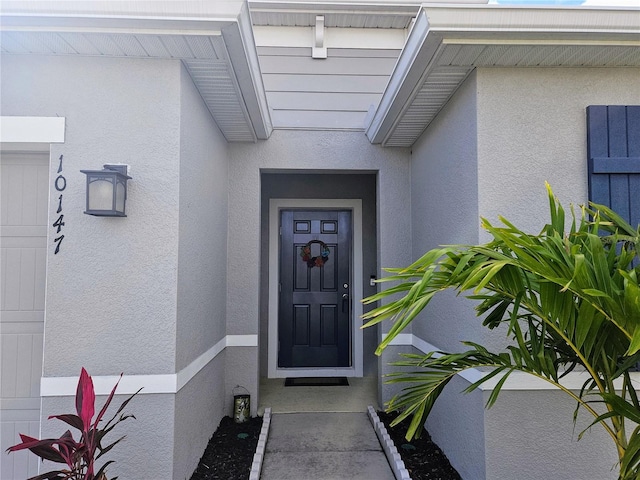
{"x": 570, "y": 299}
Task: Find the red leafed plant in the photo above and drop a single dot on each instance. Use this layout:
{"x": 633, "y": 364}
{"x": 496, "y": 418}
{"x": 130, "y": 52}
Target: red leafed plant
{"x": 80, "y": 456}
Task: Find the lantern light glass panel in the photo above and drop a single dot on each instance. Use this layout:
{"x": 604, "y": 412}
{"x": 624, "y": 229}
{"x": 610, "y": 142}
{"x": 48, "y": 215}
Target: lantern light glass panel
{"x": 107, "y": 191}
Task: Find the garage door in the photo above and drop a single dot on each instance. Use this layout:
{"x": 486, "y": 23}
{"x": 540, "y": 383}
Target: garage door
{"x": 23, "y": 247}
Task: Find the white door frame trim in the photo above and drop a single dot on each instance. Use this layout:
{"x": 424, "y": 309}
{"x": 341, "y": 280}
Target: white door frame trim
{"x": 355, "y": 205}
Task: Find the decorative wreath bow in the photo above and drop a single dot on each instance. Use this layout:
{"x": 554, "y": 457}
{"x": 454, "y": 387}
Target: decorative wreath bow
{"x": 305, "y": 253}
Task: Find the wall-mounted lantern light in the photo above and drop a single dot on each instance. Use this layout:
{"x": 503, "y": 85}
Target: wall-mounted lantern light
{"x": 107, "y": 191}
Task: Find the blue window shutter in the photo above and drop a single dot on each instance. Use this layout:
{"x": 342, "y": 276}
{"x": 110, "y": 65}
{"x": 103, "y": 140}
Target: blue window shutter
{"x": 613, "y": 149}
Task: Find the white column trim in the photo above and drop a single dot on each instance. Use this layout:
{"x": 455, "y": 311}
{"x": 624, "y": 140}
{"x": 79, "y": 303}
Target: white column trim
{"x": 516, "y": 381}
{"x": 170, "y": 383}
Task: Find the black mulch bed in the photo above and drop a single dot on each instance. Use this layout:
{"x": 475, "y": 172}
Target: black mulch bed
{"x": 422, "y": 458}
{"x": 230, "y": 452}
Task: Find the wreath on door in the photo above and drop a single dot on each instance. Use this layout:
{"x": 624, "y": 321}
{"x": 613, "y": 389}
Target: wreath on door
{"x": 319, "y": 261}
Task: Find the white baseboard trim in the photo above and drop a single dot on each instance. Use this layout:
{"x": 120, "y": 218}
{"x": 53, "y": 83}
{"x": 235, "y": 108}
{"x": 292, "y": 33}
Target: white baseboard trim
{"x": 516, "y": 381}
{"x": 165, "y": 383}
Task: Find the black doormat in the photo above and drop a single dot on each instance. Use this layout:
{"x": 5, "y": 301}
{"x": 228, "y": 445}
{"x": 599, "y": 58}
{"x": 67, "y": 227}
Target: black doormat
{"x": 316, "y": 382}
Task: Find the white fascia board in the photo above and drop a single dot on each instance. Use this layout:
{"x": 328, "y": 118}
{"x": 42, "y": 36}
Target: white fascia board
{"x": 170, "y": 18}
{"x": 533, "y": 19}
{"x": 364, "y": 7}
{"x": 353, "y": 7}
{"x": 236, "y": 32}
{"x": 303, "y": 37}
{"x": 241, "y": 47}
{"x": 437, "y": 26}
{"x": 114, "y": 24}
{"x": 145, "y": 8}
{"x": 407, "y": 76}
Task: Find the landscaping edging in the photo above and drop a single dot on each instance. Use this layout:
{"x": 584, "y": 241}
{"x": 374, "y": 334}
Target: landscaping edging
{"x": 390, "y": 450}
{"x": 258, "y": 457}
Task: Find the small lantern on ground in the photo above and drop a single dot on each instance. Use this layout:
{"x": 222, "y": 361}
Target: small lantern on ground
{"x": 241, "y": 404}
{"x": 107, "y": 191}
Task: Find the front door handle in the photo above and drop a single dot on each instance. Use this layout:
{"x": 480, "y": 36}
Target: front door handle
{"x": 345, "y": 300}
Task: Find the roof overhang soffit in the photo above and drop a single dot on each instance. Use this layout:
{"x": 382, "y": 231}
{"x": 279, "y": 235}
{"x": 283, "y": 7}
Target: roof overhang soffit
{"x": 447, "y": 43}
{"x": 218, "y": 52}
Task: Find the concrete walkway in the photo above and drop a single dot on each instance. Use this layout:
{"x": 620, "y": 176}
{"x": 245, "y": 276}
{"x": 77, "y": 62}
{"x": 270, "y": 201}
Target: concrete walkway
{"x": 323, "y": 446}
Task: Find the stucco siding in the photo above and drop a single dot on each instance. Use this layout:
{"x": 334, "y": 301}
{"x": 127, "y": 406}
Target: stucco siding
{"x": 529, "y": 126}
{"x": 457, "y": 426}
{"x": 202, "y": 274}
{"x": 199, "y": 407}
{"x": 146, "y": 452}
{"x": 111, "y": 288}
{"x": 531, "y": 435}
{"x": 202, "y": 264}
{"x": 322, "y": 152}
{"x": 444, "y": 209}
{"x": 532, "y": 129}
{"x": 241, "y": 375}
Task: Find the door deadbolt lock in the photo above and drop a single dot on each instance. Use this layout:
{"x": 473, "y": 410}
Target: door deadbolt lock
{"x": 345, "y": 285}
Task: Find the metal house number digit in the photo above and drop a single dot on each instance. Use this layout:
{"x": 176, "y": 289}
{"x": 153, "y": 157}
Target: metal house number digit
{"x": 60, "y": 184}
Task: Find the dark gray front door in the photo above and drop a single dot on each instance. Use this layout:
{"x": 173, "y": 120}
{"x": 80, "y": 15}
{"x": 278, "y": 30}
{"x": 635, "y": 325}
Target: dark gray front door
{"x": 314, "y": 321}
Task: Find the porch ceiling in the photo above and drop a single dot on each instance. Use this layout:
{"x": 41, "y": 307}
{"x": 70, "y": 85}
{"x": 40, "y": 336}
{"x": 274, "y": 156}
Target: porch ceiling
{"x": 447, "y": 43}
{"x": 218, "y": 51}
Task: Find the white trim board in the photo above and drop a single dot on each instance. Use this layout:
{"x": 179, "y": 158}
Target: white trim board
{"x": 355, "y": 205}
{"x": 164, "y": 383}
{"x": 516, "y": 381}
{"x": 32, "y": 129}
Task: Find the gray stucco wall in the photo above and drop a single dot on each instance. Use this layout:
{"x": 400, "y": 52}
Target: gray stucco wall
{"x": 241, "y": 373}
{"x": 530, "y": 127}
{"x": 124, "y": 268}
{"x": 145, "y": 294}
{"x": 199, "y": 407}
{"x": 202, "y": 274}
{"x": 444, "y": 209}
{"x": 111, "y": 289}
{"x": 202, "y": 263}
{"x": 317, "y": 152}
{"x": 530, "y": 435}
{"x": 457, "y": 426}
{"x": 147, "y": 441}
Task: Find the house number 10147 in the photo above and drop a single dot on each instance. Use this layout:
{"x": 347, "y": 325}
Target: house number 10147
{"x": 60, "y": 184}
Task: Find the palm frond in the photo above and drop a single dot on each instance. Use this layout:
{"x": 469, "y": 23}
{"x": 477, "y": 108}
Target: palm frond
{"x": 569, "y": 296}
